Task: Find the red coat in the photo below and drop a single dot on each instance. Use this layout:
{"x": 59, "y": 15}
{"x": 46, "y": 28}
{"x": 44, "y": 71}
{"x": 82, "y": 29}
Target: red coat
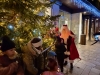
{"x": 72, "y": 48}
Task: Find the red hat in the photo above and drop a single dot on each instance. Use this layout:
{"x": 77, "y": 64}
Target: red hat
{"x": 64, "y": 25}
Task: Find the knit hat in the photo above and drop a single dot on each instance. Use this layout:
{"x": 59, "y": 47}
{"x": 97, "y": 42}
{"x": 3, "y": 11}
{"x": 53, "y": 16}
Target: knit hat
{"x": 36, "y": 42}
{"x": 7, "y": 44}
{"x": 51, "y": 54}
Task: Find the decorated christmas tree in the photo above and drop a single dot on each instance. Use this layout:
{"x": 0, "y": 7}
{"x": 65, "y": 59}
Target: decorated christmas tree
{"x": 25, "y": 19}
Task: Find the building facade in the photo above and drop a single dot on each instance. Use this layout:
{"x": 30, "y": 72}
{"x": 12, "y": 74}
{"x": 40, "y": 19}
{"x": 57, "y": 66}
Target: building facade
{"x": 73, "y": 13}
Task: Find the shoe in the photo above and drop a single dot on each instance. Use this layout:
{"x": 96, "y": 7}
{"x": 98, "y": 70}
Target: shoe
{"x": 71, "y": 71}
{"x": 61, "y": 70}
{"x": 71, "y": 67}
{"x": 65, "y": 63}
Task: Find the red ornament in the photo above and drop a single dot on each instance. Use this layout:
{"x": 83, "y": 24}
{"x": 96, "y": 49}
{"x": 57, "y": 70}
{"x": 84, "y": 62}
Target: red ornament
{"x": 56, "y": 29}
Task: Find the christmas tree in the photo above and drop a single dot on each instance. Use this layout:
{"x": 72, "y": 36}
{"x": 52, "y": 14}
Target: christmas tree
{"x": 25, "y": 19}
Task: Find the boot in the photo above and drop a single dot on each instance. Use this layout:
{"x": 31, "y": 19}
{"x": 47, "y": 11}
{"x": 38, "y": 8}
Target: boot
{"x": 71, "y": 67}
{"x": 65, "y": 63}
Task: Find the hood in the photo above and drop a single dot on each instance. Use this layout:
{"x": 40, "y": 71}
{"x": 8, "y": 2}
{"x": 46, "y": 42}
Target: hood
{"x": 32, "y": 49}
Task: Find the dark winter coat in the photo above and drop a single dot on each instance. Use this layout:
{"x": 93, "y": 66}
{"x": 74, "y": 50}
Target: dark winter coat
{"x": 6, "y": 68}
{"x": 60, "y": 49}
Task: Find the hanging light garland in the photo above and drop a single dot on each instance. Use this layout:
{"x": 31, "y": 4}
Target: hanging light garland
{"x": 91, "y": 9}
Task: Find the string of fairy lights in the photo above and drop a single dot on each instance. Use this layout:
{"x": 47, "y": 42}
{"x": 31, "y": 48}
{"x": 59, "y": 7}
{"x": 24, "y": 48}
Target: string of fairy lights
{"x": 27, "y": 28}
{"x": 89, "y": 8}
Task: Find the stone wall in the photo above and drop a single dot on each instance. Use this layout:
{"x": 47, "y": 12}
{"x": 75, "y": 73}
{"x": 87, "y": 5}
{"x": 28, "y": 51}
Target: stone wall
{"x": 76, "y": 22}
{"x": 65, "y": 19}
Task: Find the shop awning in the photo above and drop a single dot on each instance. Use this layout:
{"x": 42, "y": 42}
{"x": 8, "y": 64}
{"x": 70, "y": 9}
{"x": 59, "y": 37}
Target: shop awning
{"x": 75, "y": 6}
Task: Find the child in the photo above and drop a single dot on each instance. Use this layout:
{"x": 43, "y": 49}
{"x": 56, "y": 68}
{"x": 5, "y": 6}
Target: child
{"x": 60, "y": 49}
{"x": 72, "y": 51}
{"x": 9, "y": 62}
{"x": 52, "y": 64}
{"x": 51, "y": 54}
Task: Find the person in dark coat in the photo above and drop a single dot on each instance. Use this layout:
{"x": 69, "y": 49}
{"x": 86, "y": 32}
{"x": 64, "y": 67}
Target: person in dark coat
{"x": 33, "y": 57}
{"x": 53, "y": 68}
{"x": 9, "y": 60}
{"x": 60, "y": 49}
{"x": 69, "y": 38}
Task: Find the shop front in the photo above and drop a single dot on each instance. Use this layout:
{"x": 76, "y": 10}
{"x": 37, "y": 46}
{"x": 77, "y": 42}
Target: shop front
{"x": 71, "y": 13}
{"x": 74, "y": 10}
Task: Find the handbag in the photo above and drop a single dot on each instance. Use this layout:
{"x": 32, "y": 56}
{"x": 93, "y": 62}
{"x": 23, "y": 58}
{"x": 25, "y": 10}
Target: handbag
{"x": 67, "y": 53}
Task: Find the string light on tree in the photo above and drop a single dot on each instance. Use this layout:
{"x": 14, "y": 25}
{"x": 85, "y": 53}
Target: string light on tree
{"x": 12, "y": 38}
{"x": 24, "y": 17}
{"x": 10, "y": 27}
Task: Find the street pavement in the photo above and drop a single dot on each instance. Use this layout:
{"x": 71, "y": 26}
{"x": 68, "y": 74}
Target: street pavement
{"x": 90, "y": 63}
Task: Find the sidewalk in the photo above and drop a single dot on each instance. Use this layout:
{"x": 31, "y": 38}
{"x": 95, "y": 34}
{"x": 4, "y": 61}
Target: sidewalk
{"x": 90, "y": 63}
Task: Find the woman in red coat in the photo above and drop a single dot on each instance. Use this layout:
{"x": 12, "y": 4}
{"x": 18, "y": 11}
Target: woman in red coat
{"x": 71, "y": 47}
{"x": 69, "y": 38}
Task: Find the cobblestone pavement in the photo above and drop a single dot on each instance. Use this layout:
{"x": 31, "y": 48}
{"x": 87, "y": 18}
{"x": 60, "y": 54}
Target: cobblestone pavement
{"x": 90, "y": 63}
